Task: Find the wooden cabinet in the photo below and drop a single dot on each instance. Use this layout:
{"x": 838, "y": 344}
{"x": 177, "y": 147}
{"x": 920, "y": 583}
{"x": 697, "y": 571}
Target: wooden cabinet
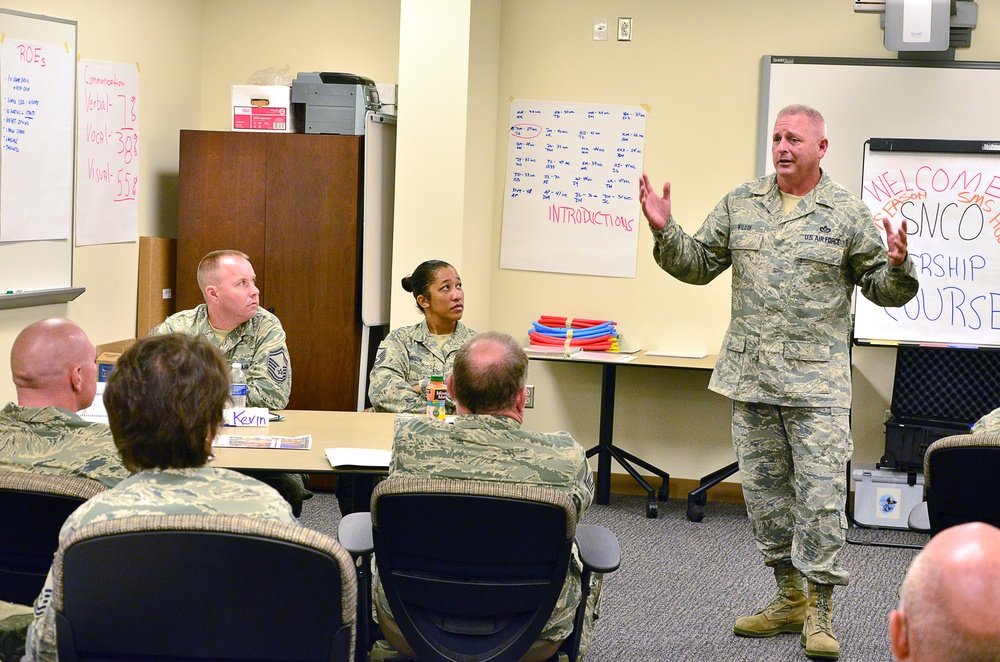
{"x": 292, "y": 202}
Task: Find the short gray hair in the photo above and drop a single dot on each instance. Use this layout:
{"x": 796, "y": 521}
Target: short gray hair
{"x": 810, "y": 113}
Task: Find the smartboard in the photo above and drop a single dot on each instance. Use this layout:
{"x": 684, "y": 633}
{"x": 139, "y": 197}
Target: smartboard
{"x": 864, "y": 98}
{"x": 861, "y": 98}
{"x": 948, "y": 194}
{"x": 37, "y": 156}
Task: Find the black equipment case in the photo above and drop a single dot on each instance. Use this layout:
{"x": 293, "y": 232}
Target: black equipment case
{"x": 937, "y": 392}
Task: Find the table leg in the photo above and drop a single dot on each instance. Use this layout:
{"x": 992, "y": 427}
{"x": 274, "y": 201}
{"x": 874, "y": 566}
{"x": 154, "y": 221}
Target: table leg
{"x": 607, "y": 427}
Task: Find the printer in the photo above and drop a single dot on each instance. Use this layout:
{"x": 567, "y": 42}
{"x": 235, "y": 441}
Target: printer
{"x": 333, "y": 102}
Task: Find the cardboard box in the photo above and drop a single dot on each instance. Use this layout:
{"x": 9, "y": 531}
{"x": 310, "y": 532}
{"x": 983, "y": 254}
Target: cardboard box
{"x": 107, "y": 354}
{"x": 885, "y": 498}
{"x": 157, "y": 282}
{"x": 263, "y": 108}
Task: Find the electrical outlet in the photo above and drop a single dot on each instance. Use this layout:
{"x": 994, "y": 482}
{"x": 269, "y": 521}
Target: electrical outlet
{"x": 624, "y": 28}
{"x": 530, "y": 401}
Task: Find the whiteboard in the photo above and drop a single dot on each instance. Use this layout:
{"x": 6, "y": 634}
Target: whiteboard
{"x": 36, "y": 181}
{"x": 948, "y": 193}
{"x": 863, "y": 98}
{"x": 571, "y": 199}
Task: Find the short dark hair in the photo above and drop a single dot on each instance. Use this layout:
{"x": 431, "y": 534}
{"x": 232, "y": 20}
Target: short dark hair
{"x": 164, "y": 398}
{"x": 420, "y": 281}
{"x": 209, "y": 263}
{"x": 489, "y": 371}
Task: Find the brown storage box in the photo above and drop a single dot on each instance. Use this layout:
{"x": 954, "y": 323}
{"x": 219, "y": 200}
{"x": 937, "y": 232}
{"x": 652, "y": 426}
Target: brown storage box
{"x": 107, "y": 354}
{"x": 157, "y": 279}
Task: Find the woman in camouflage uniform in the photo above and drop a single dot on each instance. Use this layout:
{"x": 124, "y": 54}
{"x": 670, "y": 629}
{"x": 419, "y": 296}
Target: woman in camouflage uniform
{"x": 410, "y": 355}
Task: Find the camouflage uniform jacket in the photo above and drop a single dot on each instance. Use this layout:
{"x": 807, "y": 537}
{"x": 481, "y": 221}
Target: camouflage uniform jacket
{"x": 988, "y": 424}
{"x": 793, "y": 277}
{"x": 54, "y": 440}
{"x": 258, "y": 345}
{"x": 203, "y": 490}
{"x": 409, "y": 356}
{"x": 494, "y": 448}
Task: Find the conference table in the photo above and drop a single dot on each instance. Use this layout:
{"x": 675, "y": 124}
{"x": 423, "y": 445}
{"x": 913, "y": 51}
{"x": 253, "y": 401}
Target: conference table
{"x": 329, "y": 429}
{"x": 605, "y": 448}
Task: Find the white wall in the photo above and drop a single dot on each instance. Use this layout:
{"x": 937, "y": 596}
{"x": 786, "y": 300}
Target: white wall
{"x": 164, "y": 39}
{"x": 694, "y": 64}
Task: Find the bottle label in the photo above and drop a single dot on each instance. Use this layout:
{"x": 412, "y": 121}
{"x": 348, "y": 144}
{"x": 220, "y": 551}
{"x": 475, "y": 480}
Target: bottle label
{"x": 238, "y": 390}
{"x": 436, "y": 400}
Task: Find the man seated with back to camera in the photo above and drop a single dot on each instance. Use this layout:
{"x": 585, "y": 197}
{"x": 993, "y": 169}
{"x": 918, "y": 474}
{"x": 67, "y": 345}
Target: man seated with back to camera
{"x": 55, "y": 376}
{"x": 949, "y": 604}
{"x": 485, "y": 443}
{"x": 164, "y": 398}
{"x": 232, "y": 320}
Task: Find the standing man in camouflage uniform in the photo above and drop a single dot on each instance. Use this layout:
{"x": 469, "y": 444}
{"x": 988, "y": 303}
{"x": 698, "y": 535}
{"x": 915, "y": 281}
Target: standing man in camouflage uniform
{"x": 486, "y": 443}
{"x": 798, "y": 244}
{"x": 164, "y": 400}
{"x": 231, "y": 319}
{"x": 52, "y": 363}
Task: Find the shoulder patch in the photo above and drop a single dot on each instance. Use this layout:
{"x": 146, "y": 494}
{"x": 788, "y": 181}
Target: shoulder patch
{"x": 277, "y": 366}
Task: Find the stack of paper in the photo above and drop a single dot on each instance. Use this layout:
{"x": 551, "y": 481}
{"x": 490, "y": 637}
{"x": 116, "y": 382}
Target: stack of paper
{"x": 358, "y": 457}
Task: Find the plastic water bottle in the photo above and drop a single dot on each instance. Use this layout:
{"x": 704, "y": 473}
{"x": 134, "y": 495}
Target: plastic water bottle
{"x": 436, "y": 391}
{"x": 237, "y": 387}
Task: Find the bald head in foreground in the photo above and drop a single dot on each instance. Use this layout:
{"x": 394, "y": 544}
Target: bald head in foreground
{"x": 949, "y": 607}
{"x": 52, "y": 362}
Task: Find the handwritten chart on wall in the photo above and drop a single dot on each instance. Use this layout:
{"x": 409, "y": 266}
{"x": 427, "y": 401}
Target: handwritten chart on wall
{"x": 948, "y": 192}
{"x": 571, "y": 197}
{"x": 37, "y": 108}
{"x": 108, "y": 154}
{"x": 35, "y": 177}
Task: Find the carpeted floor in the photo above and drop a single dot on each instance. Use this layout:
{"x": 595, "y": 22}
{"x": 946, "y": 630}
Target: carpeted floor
{"x": 682, "y": 584}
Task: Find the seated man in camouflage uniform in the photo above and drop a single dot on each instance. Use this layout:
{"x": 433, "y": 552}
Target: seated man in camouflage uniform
{"x": 988, "y": 424}
{"x": 52, "y": 363}
{"x": 231, "y": 319}
{"x": 486, "y": 443}
{"x": 164, "y": 400}
{"x": 55, "y": 376}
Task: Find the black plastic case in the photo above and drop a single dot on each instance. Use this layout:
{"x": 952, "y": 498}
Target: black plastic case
{"x": 937, "y": 392}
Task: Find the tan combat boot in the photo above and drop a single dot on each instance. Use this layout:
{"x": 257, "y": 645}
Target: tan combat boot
{"x": 817, "y": 633}
{"x": 785, "y": 613}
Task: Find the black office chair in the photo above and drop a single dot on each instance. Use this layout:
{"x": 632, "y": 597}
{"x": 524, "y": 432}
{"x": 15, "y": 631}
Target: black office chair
{"x": 960, "y": 483}
{"x": 472, "y": 570}
{"x": 33, "y": 507}
{"x": 203, "y": 587}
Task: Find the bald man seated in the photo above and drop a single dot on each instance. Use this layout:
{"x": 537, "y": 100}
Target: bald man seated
{"x": 55, "y": 375}
{"x": 949, "y": 606}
